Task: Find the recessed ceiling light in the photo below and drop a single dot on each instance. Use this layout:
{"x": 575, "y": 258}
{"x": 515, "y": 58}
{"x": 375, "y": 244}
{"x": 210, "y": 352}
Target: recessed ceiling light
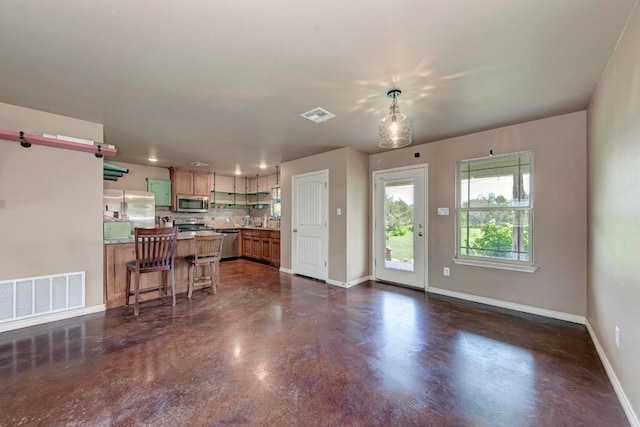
{"x": 263, "y": 165}
{"x": 153, "y": 159}
{"x": 238, "y": 172}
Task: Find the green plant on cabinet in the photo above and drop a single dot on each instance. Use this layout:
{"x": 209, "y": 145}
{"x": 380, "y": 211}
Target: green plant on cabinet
{"x": 162, "y": 189}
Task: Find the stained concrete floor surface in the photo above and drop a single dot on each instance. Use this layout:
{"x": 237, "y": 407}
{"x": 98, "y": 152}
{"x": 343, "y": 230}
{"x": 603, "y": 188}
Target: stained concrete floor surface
{"x": 271, "y": 349}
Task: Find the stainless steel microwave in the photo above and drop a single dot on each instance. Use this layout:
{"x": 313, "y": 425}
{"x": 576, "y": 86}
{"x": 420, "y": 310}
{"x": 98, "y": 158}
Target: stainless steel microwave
{"x": 186, "y": 203}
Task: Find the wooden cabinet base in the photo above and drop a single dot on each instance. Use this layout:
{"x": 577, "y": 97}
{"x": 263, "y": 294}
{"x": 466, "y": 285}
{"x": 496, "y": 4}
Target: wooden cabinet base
{"x": 261, "y": 245}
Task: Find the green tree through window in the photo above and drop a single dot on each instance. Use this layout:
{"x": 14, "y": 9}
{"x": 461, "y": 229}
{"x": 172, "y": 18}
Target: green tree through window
{"x": 495, "y": 208}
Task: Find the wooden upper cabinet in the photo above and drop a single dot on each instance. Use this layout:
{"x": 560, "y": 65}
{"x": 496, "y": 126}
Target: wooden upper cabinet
{"x": 182, "y": 181}
{"x": 189, "y": 182}
{"x": 201, "y": 183}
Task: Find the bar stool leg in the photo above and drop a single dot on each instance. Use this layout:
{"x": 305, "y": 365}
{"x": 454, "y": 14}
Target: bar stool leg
{"x": 173, "y": 287}
{"x": 136, "y": 306}
{"x": 191, "y": 273}
{"x": 128, "y": 289}
{"x": 215, "y": 270}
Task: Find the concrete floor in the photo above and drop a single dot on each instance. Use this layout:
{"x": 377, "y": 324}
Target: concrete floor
{"x": 279, "y": 350}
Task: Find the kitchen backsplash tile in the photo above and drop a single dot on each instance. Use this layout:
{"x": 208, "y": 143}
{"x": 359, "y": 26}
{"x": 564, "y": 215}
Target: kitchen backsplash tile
{"x": 215, "y": 218}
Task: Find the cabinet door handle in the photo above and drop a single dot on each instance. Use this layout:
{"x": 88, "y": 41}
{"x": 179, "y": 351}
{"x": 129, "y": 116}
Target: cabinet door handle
{"x": 295, "y": 230}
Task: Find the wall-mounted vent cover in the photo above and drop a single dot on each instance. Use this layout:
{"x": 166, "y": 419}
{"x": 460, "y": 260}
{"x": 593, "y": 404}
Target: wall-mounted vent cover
{"x": 318, "y": 115}
{"x": 199, "y": 164}
{"x": 35, "y": 296}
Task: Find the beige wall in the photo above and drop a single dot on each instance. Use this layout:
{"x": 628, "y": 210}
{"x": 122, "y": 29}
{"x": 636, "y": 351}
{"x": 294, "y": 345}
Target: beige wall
{"x": 136, "y": 179}
{"x": 614, "y": 203}
{"x": 50, "y": 202}
{"x": 336, "y": 162}
{"x": 357, "y": 211}
{"x": 36, "y": 122}
{"x": 559, "y": 145}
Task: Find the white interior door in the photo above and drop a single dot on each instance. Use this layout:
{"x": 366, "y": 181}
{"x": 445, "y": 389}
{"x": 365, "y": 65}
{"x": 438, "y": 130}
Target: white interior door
{"x": 309, "y": 220}
{"x": 400, "y": 225}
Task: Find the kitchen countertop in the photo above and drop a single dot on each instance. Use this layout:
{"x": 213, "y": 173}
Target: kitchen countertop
{"x": 189, "y": 234}
{"x": 184, "y": 235}
{"x": 258, "y": 228}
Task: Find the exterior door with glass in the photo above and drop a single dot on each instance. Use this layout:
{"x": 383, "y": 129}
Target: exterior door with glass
{"x": 400, "y": 225}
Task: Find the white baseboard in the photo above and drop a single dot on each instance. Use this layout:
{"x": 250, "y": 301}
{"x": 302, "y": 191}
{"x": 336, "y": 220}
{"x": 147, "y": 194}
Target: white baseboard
{"x": 350, "y": 283}
{"x": 622, "y": 397}
{"x": 47, "y": 318}
{"x": 511, "y": 306}
{"x": 286, "y": 270}
{"x": 358, "y": 281}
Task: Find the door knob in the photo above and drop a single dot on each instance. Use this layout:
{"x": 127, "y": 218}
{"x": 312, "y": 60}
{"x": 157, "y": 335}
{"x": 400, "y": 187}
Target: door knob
{"x": 420, "y": 234}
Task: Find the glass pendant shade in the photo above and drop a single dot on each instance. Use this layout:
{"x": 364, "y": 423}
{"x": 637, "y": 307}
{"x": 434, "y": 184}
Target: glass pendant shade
{"x": 395, "y": 129}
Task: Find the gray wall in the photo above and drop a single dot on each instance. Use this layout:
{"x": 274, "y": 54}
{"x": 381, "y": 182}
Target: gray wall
{"x": 51, "y": 221}
{"x": 614, "y": 203}
{"x": 337, "y": 162}
{"x": 559, "y": 145}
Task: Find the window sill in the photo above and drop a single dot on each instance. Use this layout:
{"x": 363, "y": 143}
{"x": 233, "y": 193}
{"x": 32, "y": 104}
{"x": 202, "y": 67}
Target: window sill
{"x": 499, "y": 265}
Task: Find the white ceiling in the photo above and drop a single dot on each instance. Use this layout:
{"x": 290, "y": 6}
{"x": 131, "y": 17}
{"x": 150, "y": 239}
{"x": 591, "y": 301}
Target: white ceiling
{"x": 225, "y": 82}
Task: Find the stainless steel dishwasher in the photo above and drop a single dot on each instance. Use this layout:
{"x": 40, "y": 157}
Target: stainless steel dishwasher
{"x": 229, "y": 243}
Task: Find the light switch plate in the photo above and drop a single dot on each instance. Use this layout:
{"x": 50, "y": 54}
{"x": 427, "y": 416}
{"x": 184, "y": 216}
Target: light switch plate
{"x": 339, "y": 211}
{"x": 443, "y": 211}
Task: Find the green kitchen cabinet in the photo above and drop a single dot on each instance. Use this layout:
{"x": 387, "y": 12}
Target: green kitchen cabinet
{"x": 162, "y": 190}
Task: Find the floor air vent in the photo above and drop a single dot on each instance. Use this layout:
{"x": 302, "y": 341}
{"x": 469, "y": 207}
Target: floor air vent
{"x": 35, "y": 296}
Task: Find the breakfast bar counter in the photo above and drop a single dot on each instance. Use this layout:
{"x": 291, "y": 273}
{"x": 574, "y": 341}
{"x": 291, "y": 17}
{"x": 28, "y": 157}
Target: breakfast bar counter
{"x": 116, "y": 255}
{"x": 256, "y": 243}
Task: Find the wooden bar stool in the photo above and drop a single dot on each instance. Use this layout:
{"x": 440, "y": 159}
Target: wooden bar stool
{"x": 155, "y": 251}
{"x": 208, "y": 253}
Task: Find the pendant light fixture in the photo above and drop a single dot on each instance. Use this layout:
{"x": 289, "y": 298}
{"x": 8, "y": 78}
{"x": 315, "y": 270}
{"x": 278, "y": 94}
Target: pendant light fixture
{"x": 395, "y": 129}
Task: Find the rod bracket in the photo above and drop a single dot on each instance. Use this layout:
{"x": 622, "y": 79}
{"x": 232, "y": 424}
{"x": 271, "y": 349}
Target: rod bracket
{"x": 23, "y": 141}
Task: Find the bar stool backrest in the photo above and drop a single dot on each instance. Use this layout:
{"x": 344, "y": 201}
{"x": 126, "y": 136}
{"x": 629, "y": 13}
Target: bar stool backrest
{"x": 155, "y": 248}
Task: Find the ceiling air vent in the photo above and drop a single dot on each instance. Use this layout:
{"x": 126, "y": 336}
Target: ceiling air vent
{"x": 318, "y": 115}
{"x": 199, "y": 164}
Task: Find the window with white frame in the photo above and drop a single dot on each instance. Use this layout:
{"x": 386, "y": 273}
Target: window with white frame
{"x": 495, "y": 210}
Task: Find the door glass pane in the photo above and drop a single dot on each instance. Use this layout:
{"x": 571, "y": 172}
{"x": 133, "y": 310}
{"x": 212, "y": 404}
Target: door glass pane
{"x": 398, "y": 218}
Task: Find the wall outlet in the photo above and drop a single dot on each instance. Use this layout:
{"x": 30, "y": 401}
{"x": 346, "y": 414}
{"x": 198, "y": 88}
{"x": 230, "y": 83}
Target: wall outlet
{"x": 617, "y": 338}
{"x": 445, "y": 271}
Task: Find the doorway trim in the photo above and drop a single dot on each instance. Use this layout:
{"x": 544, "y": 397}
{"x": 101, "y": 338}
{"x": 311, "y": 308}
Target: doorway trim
{"x": 374, "y": 174}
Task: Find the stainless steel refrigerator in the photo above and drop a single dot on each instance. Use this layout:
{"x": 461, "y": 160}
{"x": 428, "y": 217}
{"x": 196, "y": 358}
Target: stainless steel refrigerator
{"x": 137, "y": 207}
